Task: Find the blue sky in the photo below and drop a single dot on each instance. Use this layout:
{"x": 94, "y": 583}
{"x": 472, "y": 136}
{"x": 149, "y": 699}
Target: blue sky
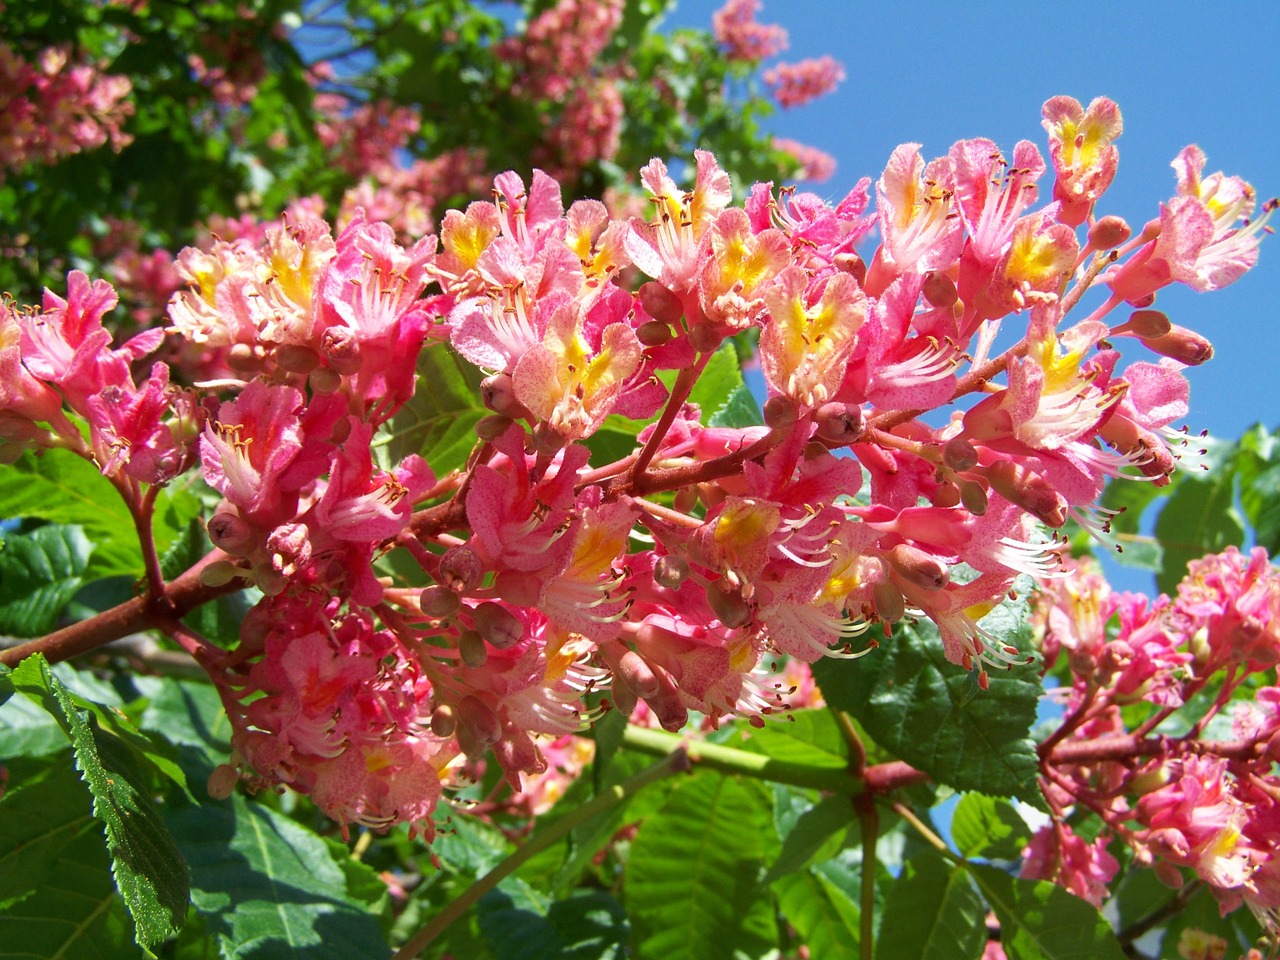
{"x": 1181, "y": 73}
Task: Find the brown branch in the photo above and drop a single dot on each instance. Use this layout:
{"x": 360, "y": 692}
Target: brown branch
{"x": 141, "y": 613}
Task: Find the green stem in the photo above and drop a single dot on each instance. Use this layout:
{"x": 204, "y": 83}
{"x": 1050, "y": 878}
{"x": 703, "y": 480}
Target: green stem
{"x": 870, "y": 818}
{"x": 754, "y": 765}
{"x": 672, "y": 762}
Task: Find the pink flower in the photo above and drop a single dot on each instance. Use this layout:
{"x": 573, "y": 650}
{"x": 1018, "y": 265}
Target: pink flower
{"x": 1236, "y": 599}
{"x": 794, "y": 84}
{"x": 816, "y": 165}
{"x": 743, "y": 38}
{"x": 1080, "y": 146}
{"x": 1055, "y": 853}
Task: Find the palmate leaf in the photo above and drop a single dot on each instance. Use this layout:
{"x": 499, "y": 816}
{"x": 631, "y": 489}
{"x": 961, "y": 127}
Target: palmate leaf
{"x": 39, "y": 574}
{"x": 439, "y": 420}
{"x": 822, "y": 914}
{"x": 267, "y": 887}
{"x": 39, "y": 816}
{"x": 691, "y": 884}
{"x": 921, "y": 708}
{"x": 1041, "y": 921}
{"x": 932, "y": 913}
{"x": 148, "y": 868}
{"x": 988, "y": 827}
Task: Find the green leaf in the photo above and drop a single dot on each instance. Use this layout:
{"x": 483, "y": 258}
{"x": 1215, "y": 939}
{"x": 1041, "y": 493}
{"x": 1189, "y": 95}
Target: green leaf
{"x": 808, "y": 736}
{"x": 932, "y": 913}
{"x": 1133, "y": 498}
{"x": 1041, "y": 921}
{"x": 148, "y": 869}
{"x": 39, "y": 816}
{"x": 1200, "y": 517}
{"x": 822, "y": 914}
{"x": 439, "y": 420}
{"x": 812, "y": 831}
{"x": 914, "y": 703}
{"x": 27, "y": 730}
{"x": 39, "y": 574}
{"x": 585, "y": 926}
{"x": 691, "y": 878}
{"x": 270, "y": 888}
{"x": 722, "y": 394}
{"x": 1258, "y": 463}
{"x": 75, "y": 913}
{"x": 61, "y": 487}
{"x": 988, "y": 827}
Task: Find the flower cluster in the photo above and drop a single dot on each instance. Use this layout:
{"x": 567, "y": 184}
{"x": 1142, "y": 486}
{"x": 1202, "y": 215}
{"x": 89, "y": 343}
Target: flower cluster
{"x": 1185, "y": 802}
{"x": 742, "y": 36}
{"x": 795, "y": 84}
{"x": 51, "y": 107}
{"x": 815, "y": 165}
{"x": 547, "y": 575}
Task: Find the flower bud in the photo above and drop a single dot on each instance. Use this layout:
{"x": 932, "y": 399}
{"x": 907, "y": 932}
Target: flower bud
{"x": 1028, "y": 490}
{"x": 918, "y": 566}
{"x": 472, "y": 649}
{"x": 946, "y": 495}
{"x": 497, "y": 624}
{"x": 670, "y": 572}
{"x": 11, "y": 453}
{"x": 654, "y": 333}
{"x": 939, "y": 289}
{"x": 730, "y": 609}
{"x": 220, "y": 573}
{"x": 222, "y": 782}
{"x": 460, "y": 569}
{"x": 1185, "y": 346}
{"x": 296, "y": 358}
{"x": 959, "y": 454}
{"x": 660, "y": 303}
{"x": 889, "y": 603}
{"x": 324, "y": 380}
{"x": 443, "y": 721}
{"x": 973, "y": 496}
{"x": 498, "y": 393}
{"x": 852, "y": 264}
{"x": 16, "y": 428}
{"x": 438, "y": 602}
{"x": 705, "y": 337}
{"x": 624, "y": 699}
{"x": 780, "y": 413}
{"x": 490, "y": 428}
{"x": 342, "y": 350}
{"x": 242, "y": 358}
{"x": 839, "y": 424}
{"x": 1108, "y": 232}
{"x": 1146, "y": 324}
{"x": 638, "y": 675}
{"x": 230, "y": 533}
{"x": 480, "y": 721}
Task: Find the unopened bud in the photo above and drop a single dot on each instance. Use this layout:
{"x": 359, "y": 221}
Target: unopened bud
{"x": 497, "y": 624}
{"x": 341, "y": 349}
{"x": 490, "y": 428}
{"x": 443, "y": 721}
{"x": 16, "y": 428}
{"x": 670, "y": 572}
{"x": 946, "y": 495}
{"x": 780, "y": 413}
{"x": 1028, "y": 490}
{"x": 472, "y": 649}
{"x": 705, "y": 337}
{"x": 660, "y": 303}
{"x": 918, "y": 567}
{"x": 729, "y": 607}
{"x": 243, "y": 358}
{"x": 460, "y": 569}
{"x": 1109, "y": 231}
{"x": 654, "y": 333}
{"x": 222, "y": 782}
{"x": 959, "y": 454}
{"x": 639, "y": 677}
{"x": 624, "y": 699}
{"x": 839, "y": 424}
{"x": 230, "y": 533}
{"x": 1185, "y": 346}
{"x": 481, "y": 722}
{"x": 973, "y": 497}
{"x": 296, "y": 358}
{"x": 438, "y": 602}
{"x": 269, "y": 580}
{"x": 852, "y": 264}
{"x": 1146, "y": 324}
{"x": 546, "y": 440}
{"x": 939, "y": 289}
{"x": 889, "y": 603}
{"x": 498, "y": 393}
{"x": 324, "y": 380}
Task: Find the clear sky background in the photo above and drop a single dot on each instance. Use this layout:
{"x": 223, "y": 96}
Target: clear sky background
{"x": 1205, "y": 73}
